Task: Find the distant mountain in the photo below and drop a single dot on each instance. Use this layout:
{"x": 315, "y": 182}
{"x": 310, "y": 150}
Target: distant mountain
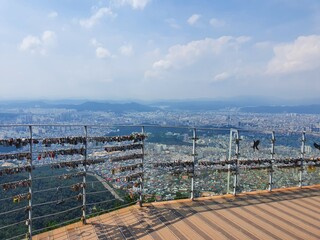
{"x": 194, "y": 105}
{"x": 86, "y": 106}
{"x": 249, "y": 105}
{"x": 23, "y": 104}
{"x": 303, "y": 109}
{"x": 211, "y": 104}
{"x": 112, "y": 107}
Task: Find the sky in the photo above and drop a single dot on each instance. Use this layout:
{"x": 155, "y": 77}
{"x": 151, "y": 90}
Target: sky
{"x": 159, "y": 49}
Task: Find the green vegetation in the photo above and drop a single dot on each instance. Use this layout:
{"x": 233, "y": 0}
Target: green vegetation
{"x": 57, "y": 196}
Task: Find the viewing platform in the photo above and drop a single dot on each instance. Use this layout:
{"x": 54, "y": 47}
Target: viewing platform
{"x": 157, "y": 182}
{"x": 290, "y": 213}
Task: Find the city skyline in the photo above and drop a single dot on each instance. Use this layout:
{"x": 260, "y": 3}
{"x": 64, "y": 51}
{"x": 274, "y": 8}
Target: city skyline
{"x": 151, "y": 49}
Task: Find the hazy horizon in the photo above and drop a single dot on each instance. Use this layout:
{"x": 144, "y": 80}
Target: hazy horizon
{"x": 242, "y": 100}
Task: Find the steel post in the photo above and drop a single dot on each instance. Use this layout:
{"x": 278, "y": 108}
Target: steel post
{"x": 194, "y": 144}
{"x": 142, "y": 175}
{"x": 29, "y": 221}
{"x": 303, "y": 151}
{"x": 84, "y": 182}
{"x": 273, "y": 141}
{"x": 235, "y": 179}
{"x": 229, "y": 158}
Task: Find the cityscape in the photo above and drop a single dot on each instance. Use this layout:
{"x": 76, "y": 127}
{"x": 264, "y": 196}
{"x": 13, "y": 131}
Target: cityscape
{"x": 148, "y": 157}
{"x": 169, "y": 139}
{"x": 159, "y": 119}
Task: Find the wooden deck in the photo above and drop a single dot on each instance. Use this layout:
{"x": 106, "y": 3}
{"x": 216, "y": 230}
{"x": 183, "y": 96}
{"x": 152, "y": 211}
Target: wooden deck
{"x": 283, "y": 214}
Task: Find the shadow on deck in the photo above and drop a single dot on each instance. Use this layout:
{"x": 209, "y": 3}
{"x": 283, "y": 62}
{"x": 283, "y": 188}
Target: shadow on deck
{"x": 291, "y": 213}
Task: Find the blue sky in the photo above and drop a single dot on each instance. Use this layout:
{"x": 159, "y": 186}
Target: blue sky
{"x": 159, "y": 49}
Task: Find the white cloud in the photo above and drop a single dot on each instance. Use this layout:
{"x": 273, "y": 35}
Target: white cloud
{"x": 30, "y": 43}
{"x": 48, "y": 38}
{"x": 53, "y": 14}
{"x": 221, "y": 77}
{"x": 126, "y": 50}
{"x": 95, "y": 43}
{"x": 184, "y": 56}
{"x": 36, "y": 44}
{"x": 102, "y": 52}
{"x": 216, "y": 23}
{"x": 301, "y": 55}
{"x": 135, "y": 4}
{"x": 193, "y": 19}
{"x": 94, "y": 19}
{"x": 162, "y": 64}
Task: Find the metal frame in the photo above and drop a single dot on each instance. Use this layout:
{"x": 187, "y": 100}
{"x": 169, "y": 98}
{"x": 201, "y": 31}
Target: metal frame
{"x": 232, "y": 133}
{"x": 194, "y": 154}
{"x": 142, "y": 177}
{"x": 237, "y": 154}
{"x": 29, "y": 221}
{"x": 234, "y": 137}
{"x": 303, "y": 151}
{"x": 84, "y": 220}
{"x": 273, "y": 141}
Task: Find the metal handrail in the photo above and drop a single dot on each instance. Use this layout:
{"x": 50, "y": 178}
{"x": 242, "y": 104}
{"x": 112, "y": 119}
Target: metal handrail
{"x": 235, "y": 164}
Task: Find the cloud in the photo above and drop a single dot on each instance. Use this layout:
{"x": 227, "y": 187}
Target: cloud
{"x": 35, "y": 44}
{"x": 102, "y": 52}
{"x": 183, "y": 56}
{"x": 53, "y": 14}
{"x": 126, "y": 50}
{"x": 48, "y": 38}
{"x": 95, "y": 43}
{"x": 221, "y": 77}
{"x": 135, "y": 4}
{"x": 301, "y": 55}
{"x": 94, "y": 19}
{"x": 30, "y": 43}
{"x": 193, "y": 19}
{"x": 216, "y": 23}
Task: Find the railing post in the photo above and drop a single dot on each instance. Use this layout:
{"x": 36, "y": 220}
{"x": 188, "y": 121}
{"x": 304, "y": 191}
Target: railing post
{"x": 273, "y": 141}
{"x": 229, "y": 158}
{"x": 142, "y": 175}
{"x": 235, "y": 182}
{"x": 84, "y": 204}
{"x": 194, "y": 144}
{"x": 29, "y": 221}
{"x": 303, "y": 151}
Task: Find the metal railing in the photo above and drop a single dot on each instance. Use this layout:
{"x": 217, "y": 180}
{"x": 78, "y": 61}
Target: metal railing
{"x": 153, "y": 163}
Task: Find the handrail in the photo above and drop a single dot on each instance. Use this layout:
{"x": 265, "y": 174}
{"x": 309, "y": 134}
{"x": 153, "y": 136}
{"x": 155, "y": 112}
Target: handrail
{"x": 13, "y": 224}
{"x": 14, "y": 210}
{"x": 125, "y": 158}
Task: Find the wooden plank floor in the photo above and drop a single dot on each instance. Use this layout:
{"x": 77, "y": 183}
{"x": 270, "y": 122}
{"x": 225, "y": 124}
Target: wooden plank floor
{"x": 283, "y": 214}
